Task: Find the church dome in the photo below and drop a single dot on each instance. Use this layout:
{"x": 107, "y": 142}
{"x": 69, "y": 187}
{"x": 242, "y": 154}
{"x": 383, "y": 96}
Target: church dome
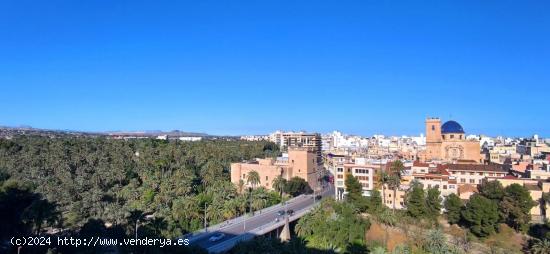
{"x": 451, "y": 127}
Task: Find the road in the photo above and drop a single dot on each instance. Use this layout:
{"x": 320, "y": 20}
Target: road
{"x": 241, "y": 226}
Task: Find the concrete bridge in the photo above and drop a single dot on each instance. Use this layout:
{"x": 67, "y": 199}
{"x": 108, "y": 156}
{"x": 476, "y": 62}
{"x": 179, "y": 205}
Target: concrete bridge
{"x": 247, "y": 227}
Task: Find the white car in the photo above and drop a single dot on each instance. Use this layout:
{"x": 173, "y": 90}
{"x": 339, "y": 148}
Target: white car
{"x": 216, "y": 237}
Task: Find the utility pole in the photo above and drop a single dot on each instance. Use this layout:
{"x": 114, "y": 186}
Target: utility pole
{"x": 137, "y": 222}
{"x": 205, "y": 225}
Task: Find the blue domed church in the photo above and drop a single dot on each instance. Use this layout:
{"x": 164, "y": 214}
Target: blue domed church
{"x": 448, "y": 143}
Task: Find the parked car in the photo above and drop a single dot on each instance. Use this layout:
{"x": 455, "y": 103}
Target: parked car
{"x": 216, "y": 237}
{"x": 281, "y": 213}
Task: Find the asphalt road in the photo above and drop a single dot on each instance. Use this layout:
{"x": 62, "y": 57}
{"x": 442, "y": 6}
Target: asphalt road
{"x": 258, "y": 220}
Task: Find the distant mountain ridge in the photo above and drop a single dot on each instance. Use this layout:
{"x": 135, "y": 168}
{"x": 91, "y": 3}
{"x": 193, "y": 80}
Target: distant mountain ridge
{"x": 29, "y": 130}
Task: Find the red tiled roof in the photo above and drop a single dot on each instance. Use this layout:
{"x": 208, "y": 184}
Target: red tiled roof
{"x": 420, "y": 164}
{"x": 509, "y": 177}
{"x": 476, "y": 167}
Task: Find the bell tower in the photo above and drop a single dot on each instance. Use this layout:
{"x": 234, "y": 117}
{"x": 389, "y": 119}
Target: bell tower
{"x": 433, "y": 138}
{"x": 433, "y": 130}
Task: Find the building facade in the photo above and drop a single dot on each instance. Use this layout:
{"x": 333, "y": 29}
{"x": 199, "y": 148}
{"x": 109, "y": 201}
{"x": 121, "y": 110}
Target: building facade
{"x": 448, "y": 143}
{"x": 299, "y": 162}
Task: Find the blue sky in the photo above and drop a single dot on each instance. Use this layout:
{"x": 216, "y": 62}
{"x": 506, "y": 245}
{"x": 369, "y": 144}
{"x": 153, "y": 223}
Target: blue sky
{"x": 248, "y": 67}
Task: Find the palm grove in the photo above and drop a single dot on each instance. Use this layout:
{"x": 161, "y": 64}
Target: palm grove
{"x": 135, "y": 187}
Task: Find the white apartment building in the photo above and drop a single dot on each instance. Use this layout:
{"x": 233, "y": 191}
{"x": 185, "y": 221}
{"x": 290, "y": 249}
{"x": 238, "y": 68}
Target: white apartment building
{"x": 359, "y": 168}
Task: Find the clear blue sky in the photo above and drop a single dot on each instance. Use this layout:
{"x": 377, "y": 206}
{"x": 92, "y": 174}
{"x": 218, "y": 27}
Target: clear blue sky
{"x": 246, "y": 67}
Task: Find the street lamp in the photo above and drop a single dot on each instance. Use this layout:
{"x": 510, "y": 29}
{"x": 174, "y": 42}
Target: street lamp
{"x": 137, "y": 223}
{"x": 205, "y": 223}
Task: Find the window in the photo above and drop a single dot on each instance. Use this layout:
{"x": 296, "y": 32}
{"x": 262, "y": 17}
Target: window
{"x": 472, "y": 173}
{"x": 452, "y": 136}
{"x": 444, "y": 186}
{"x": 267, "y": 178}
{"x": 451, "y": 186}
{"x": 339, "y": 170}
{"x": 433, "y": 127}
{"x": 472, "y": 181}
{"x": 480, "y": 173}
{"x": 361, "y": 171}
{"x": 462, "y": 180}
{"x": 340, "y": 176}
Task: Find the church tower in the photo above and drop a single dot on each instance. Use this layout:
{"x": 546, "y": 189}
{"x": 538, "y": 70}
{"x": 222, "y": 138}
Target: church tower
{"x": 433, "y": 130}
{"x": 433, "y": 138}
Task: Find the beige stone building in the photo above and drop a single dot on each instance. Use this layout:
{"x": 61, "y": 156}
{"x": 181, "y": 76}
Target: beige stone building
{"x": 301, "y": 162}
{"x": 474, "y": 173}
{"x": 448, "y": 143}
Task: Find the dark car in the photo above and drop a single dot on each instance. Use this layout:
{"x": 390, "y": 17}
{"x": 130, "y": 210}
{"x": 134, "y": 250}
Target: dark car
{"x": 290, "y": 212}
{"x": 281, "y": 213}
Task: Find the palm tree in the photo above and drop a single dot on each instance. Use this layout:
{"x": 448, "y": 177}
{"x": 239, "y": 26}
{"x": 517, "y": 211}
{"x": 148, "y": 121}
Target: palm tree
{"x": 215, "y": 213}
{"x": 259, "y": 199}
{"x": 258, "y": 203}
{"x": 240, "y": 186}
{"x": 242, "y": 203}
{"x": 396, "y": 171}
{"x": 393, "y": 184}
{"x": 383, "y": 179}
{"x": 230, "y": 209}
{"x": 397, "y": 168}
{"x": 436, "y": 242}
{"x": 253, "y": 178}
{"x": 279, "y": 184}
{"x": 158, "y": 225}
{"x": 541, "y": 247}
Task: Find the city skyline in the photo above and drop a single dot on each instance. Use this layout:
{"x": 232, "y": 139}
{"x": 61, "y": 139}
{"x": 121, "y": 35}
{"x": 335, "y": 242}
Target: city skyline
{"x": 238, "y": 69}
